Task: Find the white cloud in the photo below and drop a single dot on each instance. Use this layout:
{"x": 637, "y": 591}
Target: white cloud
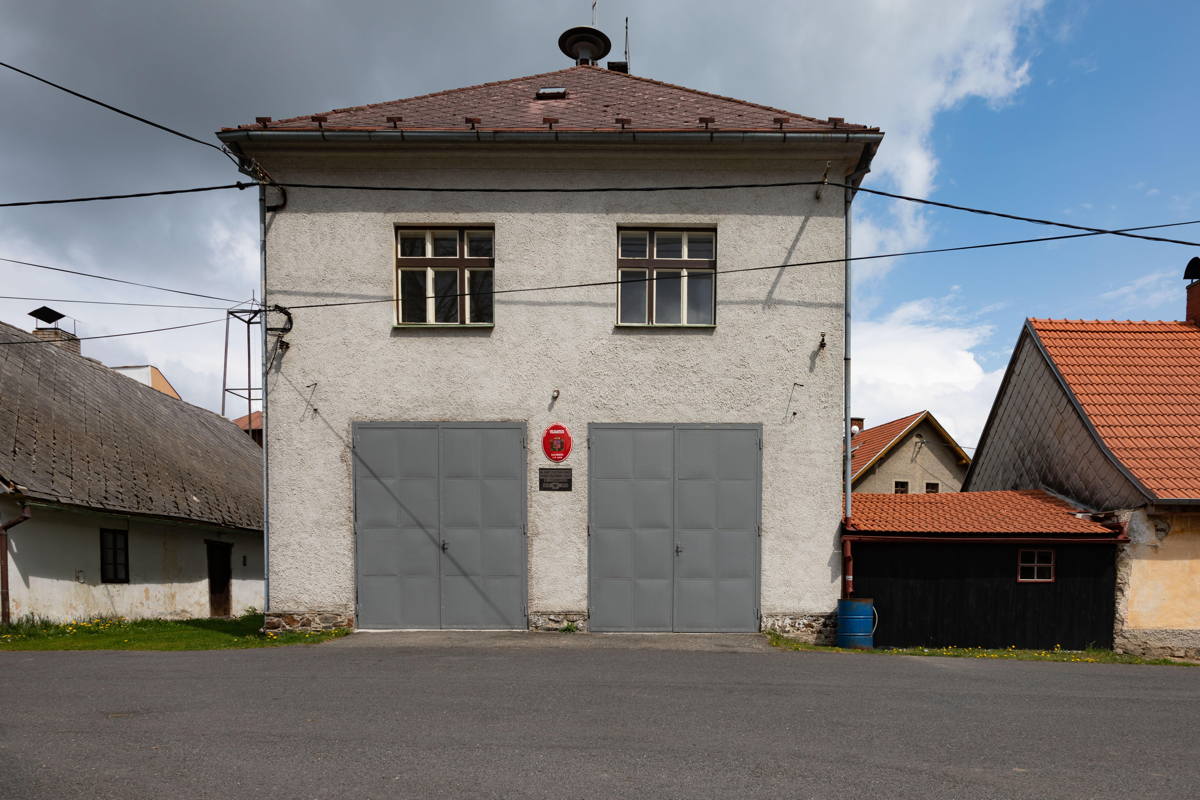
{"x": 1155, "y": 290}
{"x": 921, "y": 356}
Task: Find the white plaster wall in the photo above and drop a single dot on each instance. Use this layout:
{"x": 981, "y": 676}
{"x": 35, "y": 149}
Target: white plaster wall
{"x": 348, "y": 364}
{"x": 54, "y": 567}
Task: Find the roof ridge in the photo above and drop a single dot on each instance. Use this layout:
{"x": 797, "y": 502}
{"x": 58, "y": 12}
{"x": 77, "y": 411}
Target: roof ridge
{"x": 427, "y": 95}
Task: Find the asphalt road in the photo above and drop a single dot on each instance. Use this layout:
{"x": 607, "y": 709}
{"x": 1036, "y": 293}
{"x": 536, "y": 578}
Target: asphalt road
{"x": 558, "y": 716}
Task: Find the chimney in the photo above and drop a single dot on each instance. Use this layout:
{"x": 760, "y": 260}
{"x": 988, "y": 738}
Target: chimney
{"x": 1192, "y": 273}
{"x": 49, "y": 331}
{"x": 64, "y": 339}
{"x": 856, "y": 425}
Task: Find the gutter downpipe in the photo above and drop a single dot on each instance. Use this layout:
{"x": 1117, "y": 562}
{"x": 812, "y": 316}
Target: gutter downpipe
{"x": 848, "y": 198}
{"x": 262, "y": 258}
{"x": 26, "y": 513}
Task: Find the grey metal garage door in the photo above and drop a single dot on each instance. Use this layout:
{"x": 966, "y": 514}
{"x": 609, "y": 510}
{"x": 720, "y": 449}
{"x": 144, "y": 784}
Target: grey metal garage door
{"x": 674, "y": 520}
{"x": 440, "y": 525}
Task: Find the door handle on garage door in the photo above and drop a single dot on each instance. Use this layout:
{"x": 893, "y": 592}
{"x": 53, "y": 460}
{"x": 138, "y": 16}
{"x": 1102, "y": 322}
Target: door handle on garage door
{"x": 445, "y": 545}
{"x": 678, "y": 550}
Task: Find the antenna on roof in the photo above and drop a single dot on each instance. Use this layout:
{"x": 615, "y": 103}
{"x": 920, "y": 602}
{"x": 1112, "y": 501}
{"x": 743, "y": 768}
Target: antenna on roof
{"x": 627, "y": 40}
{"x": 594, "y": 12}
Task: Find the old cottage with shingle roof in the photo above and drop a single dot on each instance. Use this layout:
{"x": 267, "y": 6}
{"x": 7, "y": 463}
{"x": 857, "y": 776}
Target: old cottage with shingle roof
{"x": 1107, "y": 413}
{"x": 137, "y": 503}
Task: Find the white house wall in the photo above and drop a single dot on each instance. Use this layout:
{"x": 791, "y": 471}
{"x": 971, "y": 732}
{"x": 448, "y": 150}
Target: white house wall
{"x": 762, "y": 363}
{"x": 54, "y": 567}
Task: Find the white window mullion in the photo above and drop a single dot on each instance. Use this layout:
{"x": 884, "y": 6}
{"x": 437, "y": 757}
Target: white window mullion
{"x": 465, "y": 291}
{"x": 429, "y": 293}
{"x": 683, "y": 286}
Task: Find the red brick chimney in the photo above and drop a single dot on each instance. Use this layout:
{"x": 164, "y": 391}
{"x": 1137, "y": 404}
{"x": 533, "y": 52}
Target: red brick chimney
{"x": 1193, "y": 302}
{"x": 64, "y": 339}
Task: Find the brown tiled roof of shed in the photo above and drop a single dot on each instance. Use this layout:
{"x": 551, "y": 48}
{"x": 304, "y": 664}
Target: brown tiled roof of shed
{"x": 72, "y": 431}
{"x": 1138, "y": 383}
{"x": 595, "y": 98}
{"x": 1003, "y": 512}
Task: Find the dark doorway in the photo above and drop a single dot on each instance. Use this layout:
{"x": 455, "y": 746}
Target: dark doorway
{"x": 220, "y": 574}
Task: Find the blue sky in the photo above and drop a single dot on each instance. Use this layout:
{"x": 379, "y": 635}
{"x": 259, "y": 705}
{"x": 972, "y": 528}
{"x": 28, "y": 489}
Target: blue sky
{"x": 1062, "y": 109}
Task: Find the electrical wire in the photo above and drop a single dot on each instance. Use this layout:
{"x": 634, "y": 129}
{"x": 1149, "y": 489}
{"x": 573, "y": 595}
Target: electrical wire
{"x": 591, "y": 284}
{"x": 117, "y": 280}
{"x": 220, "y": 149}
{"x": 1017, "y": 217}
{"x": 115, "y": 335}
{"x": 20, "y": 203}
{"x": 106, "y": 302}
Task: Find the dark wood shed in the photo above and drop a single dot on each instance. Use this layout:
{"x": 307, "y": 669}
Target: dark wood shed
{"x": 982, "y": 569}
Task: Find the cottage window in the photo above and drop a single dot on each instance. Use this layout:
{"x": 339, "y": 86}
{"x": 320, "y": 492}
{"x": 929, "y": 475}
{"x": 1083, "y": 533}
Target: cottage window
{"x": 444, "y": 276}
{"x": 1035, "y": 566}
{"x": 666, "y": 277}
{"x": 114, "y": 556}
{"x": 932, "y": 487}
{"x": 900, "y": 487}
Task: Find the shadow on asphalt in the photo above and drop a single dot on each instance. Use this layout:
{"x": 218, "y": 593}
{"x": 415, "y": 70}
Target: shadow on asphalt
{"x": 535, "y": 640}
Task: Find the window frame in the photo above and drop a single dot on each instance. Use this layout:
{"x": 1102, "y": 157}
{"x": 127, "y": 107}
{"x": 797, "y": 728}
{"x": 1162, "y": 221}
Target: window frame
{"x": 652, "y": 264}
{"x": 937, "y": 487}
{"x": 1050, "y": 566}
{"x": 896, "y": 486}
{"x": 462, "y": 264}
{"x": 109, "y": 568}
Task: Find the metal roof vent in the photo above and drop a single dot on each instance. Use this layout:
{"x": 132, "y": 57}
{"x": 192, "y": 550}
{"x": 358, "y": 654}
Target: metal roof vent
{"x": 551, "y": 93}
{"x": 584, "y": 44}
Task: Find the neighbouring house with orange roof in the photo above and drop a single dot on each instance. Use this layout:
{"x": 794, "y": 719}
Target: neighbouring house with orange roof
{"x": 910, "y": 455}
{"x": 982, "y": 569}
{"x": 251, "y": 424}
{"x": 1108, "y": 415}
{"x": 452, "y": 444}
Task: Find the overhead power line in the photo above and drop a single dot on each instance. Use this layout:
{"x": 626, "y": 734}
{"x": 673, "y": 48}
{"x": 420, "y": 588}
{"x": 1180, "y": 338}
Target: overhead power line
{"x": 1019, "y": 218}
{"x": 612, "y": 189}
{"x": 223, "y": 151}
{"x": 107, "y": 302}
{"x": 126, "y": 333}
{"x": 60, "y": 201}
{"x": 117, "y": 280}
{"x": 929, "y": 251}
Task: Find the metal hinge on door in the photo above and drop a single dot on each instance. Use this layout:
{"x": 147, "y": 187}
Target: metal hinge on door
{"x": 758, "y": 528}
{"x": 760, "y": 443}
{"x": 525, "y": 528}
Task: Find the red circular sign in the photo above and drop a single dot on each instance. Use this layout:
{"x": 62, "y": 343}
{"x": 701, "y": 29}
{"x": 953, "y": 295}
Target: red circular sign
{"x": 556, "y": 443}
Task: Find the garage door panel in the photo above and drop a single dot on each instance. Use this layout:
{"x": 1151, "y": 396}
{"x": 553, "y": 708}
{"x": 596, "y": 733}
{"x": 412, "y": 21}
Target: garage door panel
{"x": 739, "y": 455}
{"x": 612, "y": 554}
{"x": 736, "y": 600}
{"x": 653, "y": 554}
{"x": 695, "y": 604}
{"x": 652, "y": 454}
{"x": 696, "y": 504}
{"x": 736, "y": 504}
{"x": 502, "y": 502}
{"x": 697, "y": 456}
{"x": 651, "y": 504}
{"x": 456, "y": 484}
{"x": 462, "y": 502}
{"x": 652, "y": 604}
{"x": 735, "y": 558}
{"x": 697, "y": 555}
{"x": 612, "y": 503}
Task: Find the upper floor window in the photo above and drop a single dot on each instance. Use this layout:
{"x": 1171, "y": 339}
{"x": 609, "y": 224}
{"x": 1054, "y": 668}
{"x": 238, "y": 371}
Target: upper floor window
{"x": 932, "y": 487}
{"x": 444, "y": 276}
{"x": 900, "y": 487}
{"x": 666, "y": 277}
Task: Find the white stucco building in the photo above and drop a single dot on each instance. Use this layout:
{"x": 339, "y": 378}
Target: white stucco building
{"x": 116, "y": 499}
{"x": 436, "y": 336}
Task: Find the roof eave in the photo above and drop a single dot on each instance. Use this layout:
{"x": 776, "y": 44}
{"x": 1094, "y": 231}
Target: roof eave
{"x": 524, "y": 136}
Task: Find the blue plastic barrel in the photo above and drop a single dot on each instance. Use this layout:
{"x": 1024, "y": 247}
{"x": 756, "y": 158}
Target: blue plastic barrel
{"x": 856, "y": 623}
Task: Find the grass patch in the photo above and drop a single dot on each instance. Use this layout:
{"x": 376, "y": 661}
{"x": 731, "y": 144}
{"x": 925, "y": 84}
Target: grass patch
{"x": 1010, "y": 653}
{"x": 99, "y": 633}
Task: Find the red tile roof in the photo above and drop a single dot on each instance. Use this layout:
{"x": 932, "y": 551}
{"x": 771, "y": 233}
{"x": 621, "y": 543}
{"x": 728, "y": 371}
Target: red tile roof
{"x": 250, "y": 421}
{"x": 1139, "y": 384}
{"x": 870, "y": 443}
{"x": 595, "y": 98}
{"x": 1005, "y": 512}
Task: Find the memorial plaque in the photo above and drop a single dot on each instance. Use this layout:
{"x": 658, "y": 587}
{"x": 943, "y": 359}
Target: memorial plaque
{"x": 554, "y": 479}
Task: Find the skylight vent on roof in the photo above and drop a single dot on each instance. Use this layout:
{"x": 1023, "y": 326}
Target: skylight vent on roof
{"x": 551, "y": 93}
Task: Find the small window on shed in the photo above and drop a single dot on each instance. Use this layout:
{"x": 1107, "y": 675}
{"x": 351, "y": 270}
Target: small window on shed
{"x": 1035, "y": 566}
{"x": 933, "y": 487}
{"x": 900, "y": 487}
